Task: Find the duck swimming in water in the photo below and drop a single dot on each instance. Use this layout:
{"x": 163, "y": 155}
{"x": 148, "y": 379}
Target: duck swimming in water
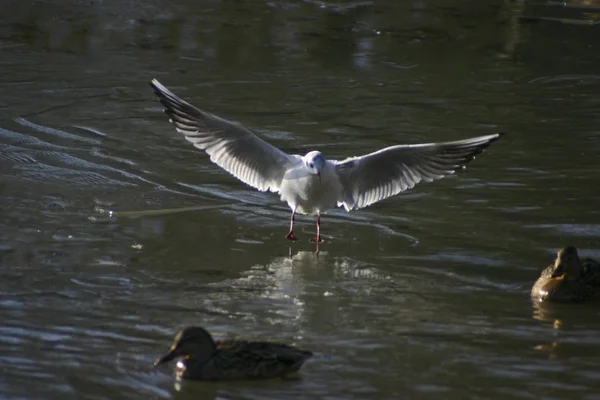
{"x": 569, "y": 279}
{"x": 207, "y": 360}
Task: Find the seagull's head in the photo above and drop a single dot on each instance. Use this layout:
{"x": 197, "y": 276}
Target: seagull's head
{"x": 314, "y": 162}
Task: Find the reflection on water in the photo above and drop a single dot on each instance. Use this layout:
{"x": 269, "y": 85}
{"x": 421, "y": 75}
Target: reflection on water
{"x": 562, "y": 318}
{"x": 422, "y": 296}
{"x": 547, "y": 312}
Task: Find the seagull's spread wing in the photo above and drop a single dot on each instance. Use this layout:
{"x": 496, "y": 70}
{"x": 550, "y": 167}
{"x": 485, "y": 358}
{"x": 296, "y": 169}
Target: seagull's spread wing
{"x": 231, "y": 146}
{"x": 384, "y": 173}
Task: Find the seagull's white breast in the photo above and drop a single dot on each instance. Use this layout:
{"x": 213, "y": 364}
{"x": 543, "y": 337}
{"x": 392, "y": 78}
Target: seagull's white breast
{"x": 307, "y": 194}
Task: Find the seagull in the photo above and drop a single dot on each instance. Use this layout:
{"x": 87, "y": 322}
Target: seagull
{"x": 312, "y": 184}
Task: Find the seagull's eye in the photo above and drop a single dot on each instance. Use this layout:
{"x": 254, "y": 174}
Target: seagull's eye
{"x": 311, "y": 165}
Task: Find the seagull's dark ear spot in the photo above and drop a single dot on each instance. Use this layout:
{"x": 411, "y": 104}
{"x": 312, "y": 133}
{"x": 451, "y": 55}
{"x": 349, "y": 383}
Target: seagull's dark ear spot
{"x": 311, "y": 165}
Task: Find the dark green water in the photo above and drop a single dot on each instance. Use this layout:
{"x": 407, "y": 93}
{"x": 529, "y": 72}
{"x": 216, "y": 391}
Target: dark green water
{"x": 421, "y": 296}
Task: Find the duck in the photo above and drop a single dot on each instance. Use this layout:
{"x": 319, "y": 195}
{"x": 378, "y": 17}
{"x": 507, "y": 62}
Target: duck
{"x": 205, "y": 359}
{"x": 569, "y": 280}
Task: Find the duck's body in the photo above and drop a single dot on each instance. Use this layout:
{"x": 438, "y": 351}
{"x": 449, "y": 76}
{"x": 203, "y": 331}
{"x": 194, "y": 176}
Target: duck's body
{"x": 241, "y": 360}
{"x": 207, "y": 360}
{"x": 569, "y": 279}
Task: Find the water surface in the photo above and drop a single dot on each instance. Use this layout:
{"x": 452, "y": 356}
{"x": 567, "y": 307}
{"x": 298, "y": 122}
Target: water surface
{"x": 421, "y": 296}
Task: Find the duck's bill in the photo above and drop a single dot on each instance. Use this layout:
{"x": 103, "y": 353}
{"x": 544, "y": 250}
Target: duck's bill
{"x": 165, "y": 359}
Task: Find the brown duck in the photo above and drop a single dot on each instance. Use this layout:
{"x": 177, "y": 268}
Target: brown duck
{"x": 569, "y": 279}
{"x": 207, "y": 360}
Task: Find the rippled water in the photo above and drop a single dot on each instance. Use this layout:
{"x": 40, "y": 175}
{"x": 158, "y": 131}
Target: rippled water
{"x": 420, "y": 296}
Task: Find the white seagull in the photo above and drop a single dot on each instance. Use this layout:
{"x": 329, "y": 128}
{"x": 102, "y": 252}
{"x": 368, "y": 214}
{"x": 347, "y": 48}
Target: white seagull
{"x": 312, "y": 184}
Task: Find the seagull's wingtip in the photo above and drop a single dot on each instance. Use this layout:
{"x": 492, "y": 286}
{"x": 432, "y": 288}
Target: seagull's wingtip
{"x": 499, "y": 135}
{"x": 156, "y": 85}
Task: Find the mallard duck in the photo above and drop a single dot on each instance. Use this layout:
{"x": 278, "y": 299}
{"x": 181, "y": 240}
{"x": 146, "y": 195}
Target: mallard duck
{"x": 569, "y": 279}
{"x": 207, "y": 360}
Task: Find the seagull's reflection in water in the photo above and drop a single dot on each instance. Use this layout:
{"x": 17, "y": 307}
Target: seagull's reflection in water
{"x": 293, "y": 299}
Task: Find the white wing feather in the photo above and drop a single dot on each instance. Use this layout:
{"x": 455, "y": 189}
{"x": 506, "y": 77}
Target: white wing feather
{"x": 384, "y": 173}
{"x": 231, "y": 146}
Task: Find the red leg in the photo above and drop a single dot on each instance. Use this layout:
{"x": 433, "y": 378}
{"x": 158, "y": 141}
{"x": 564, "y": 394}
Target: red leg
{"x": 318, "y": 238}
{"x": 290, "y": 234}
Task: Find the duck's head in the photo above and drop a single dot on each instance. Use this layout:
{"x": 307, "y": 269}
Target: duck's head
{"x": 314, "y": 162}
{"x": 567, "y": 264}
{"x": 192, "y": 342}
